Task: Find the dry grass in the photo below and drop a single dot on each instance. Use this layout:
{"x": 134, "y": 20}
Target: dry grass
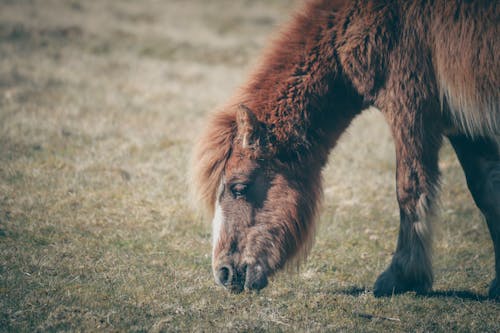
{"x": 99, "y": 104}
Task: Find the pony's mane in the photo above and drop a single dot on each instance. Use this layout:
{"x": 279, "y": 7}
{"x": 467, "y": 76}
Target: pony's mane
{"x": 291, "y": 61}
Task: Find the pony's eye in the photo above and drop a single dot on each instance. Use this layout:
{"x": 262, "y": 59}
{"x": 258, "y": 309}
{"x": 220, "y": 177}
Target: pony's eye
{"x": 239, "y": 190}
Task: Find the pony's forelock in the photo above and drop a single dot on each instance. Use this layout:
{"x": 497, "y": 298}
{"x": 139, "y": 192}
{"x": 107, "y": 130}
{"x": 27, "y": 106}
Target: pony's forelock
{"x": 212, "y": 149}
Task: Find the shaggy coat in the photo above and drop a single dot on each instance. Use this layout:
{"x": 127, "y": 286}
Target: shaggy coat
{"x": 432, "y": 69}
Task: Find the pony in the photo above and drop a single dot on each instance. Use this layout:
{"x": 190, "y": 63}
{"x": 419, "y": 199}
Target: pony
{"x": 430, "y": 67}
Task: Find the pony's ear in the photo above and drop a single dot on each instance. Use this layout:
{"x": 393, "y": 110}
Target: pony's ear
{"x": 248, "y": 127}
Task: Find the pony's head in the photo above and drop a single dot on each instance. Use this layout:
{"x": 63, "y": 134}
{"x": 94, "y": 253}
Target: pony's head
{"x": 263, "y": 205}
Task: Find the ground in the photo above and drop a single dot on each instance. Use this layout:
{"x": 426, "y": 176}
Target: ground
{"x": 100, "y": 103}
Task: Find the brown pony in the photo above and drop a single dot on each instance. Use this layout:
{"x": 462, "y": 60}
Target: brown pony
{"x": 432, "y": 69}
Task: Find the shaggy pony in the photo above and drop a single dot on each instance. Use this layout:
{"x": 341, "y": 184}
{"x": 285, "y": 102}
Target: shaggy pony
{"x": 432, "y": 69}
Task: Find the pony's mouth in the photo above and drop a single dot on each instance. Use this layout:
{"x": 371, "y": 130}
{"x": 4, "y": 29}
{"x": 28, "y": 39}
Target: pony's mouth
{"x": 245, "y": 277}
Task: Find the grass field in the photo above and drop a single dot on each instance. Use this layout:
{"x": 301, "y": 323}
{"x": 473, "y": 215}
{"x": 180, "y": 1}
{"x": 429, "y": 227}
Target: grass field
{"x": 100, "y": 102}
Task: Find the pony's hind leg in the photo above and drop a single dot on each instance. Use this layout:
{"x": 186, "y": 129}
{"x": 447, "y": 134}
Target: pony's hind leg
{"x": 480, "y": 159}
{"x": 417, "y": 144}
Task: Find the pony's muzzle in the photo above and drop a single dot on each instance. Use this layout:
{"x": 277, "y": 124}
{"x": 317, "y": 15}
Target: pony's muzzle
{"x": 237, "y": 279}
{"x": 230, "y": 277}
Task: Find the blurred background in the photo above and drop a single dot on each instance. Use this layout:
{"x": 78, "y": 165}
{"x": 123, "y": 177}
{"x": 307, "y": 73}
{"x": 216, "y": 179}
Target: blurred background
{"x": 100, "y": 103}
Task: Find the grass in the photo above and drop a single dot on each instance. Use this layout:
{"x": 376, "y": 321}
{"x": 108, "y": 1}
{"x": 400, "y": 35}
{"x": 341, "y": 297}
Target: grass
{"x": 99, "y": 105}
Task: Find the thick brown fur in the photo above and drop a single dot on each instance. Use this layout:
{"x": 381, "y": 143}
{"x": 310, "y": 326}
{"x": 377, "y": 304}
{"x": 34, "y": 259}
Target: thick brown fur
{"x": 432, "y": 69}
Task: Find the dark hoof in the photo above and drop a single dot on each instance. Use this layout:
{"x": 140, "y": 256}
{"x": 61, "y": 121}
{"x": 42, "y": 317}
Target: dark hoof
{"x": 388, "y": 283}
{"x": 494, "y": 292}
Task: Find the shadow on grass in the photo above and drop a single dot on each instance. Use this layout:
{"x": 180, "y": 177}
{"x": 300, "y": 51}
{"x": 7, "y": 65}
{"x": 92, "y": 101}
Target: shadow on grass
{"x": 352, "y": 291}
{"x": 460, "y": 294}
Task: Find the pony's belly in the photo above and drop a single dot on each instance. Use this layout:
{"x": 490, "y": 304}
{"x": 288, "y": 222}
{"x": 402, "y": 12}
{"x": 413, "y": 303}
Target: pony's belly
{"x": 473, "y": 113}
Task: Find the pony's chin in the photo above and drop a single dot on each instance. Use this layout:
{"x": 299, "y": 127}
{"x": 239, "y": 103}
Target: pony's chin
{"x": 256, "y": 278}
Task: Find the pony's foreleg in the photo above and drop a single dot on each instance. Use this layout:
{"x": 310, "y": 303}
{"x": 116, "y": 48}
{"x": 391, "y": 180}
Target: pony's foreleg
{"x": 480, "y": 160}
{"x": 417, "y": 144}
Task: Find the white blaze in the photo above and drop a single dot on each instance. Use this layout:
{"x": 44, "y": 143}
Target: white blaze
{"x": 216, "y": 226}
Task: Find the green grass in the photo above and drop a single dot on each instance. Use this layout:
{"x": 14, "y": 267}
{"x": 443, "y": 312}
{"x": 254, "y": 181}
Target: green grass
{"x": 99, "y": 105}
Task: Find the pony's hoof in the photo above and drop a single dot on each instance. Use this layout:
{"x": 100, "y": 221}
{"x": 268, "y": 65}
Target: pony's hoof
{"x": 494, "y": 292}
{"x": 388, "y": 283}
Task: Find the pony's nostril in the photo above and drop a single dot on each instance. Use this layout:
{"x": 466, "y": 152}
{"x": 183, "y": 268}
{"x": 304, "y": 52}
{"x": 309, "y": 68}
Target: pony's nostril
{"x": 225, "y": 275}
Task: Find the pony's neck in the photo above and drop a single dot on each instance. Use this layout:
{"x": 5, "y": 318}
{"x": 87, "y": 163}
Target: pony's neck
{"x": 299, "y": 92}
